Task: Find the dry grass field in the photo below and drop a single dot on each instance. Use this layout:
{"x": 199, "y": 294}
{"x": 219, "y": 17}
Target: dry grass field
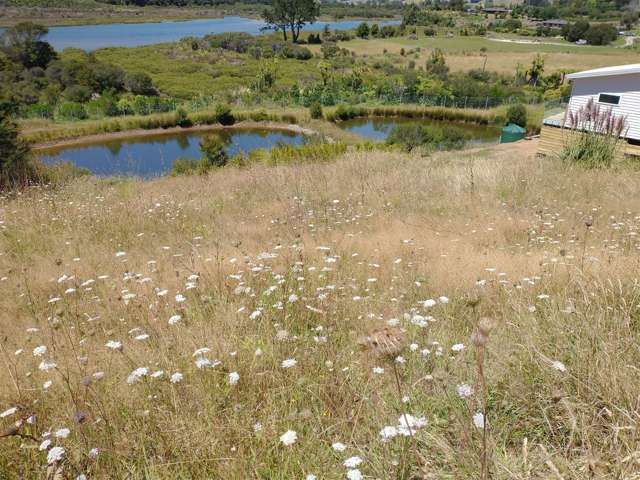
{"x": 233, "y": 326}
{"x": 466, "y": 53}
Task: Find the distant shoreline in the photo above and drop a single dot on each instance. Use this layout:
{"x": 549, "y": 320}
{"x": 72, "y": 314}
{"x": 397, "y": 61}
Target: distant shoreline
{"x": 67, "y": 17}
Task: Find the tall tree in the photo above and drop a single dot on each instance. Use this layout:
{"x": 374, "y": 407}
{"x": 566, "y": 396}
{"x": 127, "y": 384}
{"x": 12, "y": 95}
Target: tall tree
{"x": 16, "y": 168}
{"x": 24, "y": 43}
{"x": 291, "y": 15}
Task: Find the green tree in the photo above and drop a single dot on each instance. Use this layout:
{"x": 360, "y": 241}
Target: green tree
{"x": 16, "y": 164}
{"x": 575, "y": 31}
{"x": 436, "y": 64}
{"x": 139, "y": 84}
{"x": 23, "y": 44}
{"x": 601, "y": 34}
{"x": 291, "y": 15}
{"x": 363, "y": 30}
{"x": 410, "y": 15}
{"x": 536, "y": 70}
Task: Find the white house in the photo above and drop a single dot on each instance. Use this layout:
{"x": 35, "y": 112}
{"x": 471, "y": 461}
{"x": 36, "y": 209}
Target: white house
{"x": 616, "y": 88}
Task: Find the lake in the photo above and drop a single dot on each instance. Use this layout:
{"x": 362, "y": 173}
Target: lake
{"x": 378, "y": 128}
{"x": 92, "y": 37}
{"x": 153, "y": 156}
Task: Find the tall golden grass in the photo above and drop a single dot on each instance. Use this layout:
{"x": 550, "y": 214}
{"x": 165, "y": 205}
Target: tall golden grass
{"x": 271, "y": 264}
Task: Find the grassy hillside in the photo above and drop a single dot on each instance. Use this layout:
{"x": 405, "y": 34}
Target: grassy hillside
{"x": 183, "y": 326}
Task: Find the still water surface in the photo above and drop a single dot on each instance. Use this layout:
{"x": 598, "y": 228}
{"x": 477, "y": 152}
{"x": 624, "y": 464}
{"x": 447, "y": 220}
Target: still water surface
{"x": 149, "y": 157}
{"x": 92, "y": 37}
{"x": 378, "y": 129}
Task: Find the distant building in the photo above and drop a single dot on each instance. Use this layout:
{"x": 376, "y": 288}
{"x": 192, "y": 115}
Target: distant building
{"x": 496, "y": 10}
{"x": 554, "y": 23}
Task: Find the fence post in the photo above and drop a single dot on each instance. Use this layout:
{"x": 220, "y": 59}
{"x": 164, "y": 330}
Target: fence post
{"x": 486, "y": 103}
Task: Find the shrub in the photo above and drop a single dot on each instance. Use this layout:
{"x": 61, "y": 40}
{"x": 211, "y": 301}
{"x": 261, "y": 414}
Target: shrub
{"x": 517, "y": 114}
{"x": 363, "y": 30}
{"x": 346, "y": 112}
{"x": 259, "y": 116}
{"x": 103, "y": 106}
{"x": 596, "y": 135}
{"x": 182, "y": 119}
{"x": 213, "y": 151}
{"x": 77, "y": 93}
{"x": 139, "y": 84}
{"x": 315, "y": 110}
{"x": 223, "y": 115}
{"x": 71, "y": 111}
{"x": 16, "y": 163}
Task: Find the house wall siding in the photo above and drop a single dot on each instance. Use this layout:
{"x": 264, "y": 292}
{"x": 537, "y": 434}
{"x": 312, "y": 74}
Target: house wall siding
{"x": 627, "y": 86}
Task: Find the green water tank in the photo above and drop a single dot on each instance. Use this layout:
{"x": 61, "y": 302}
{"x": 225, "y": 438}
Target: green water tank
{"x": 512, "y": 133}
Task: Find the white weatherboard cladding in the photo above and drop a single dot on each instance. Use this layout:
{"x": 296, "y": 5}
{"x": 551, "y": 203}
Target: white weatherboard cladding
{"x": 627, "y": 86}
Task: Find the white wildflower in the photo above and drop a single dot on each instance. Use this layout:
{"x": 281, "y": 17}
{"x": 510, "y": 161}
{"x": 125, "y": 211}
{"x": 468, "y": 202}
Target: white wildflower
{"x": 352, "y": 462}
{"x": 289, "y": 362}
{"x": 464, "y": 390}
{"x": 288, "y": 438}
{"x": 55, "y": 455}
{"x": 137, "y": 374}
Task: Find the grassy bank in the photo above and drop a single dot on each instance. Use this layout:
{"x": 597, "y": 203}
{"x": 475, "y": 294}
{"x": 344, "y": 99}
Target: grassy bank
{"x": 223, "y": 326}
{"x": 42, "y": 131}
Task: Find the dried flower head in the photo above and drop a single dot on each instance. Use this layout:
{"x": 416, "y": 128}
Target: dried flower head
{"x": 387, "y": 341}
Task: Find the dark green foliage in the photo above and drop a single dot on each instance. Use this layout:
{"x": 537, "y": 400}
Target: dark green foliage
{"x": 573, "y": 32}
{"x": 77, "y": 93}
{"x": 314, "y": 39}
{"x": 315, "y": 110}
{"x": 182, "y": 119}
{"x": 601, "y": 34}
{"x": 291, "y": 15}
{"x": 139, "y": 84}
{"x": 347, "y": 112}
{"x": 594, "y": 34}
{"x": 16, "y": 164}
{"x": 363, "y": 30}
{"x": 517, "y": 114}
{"x": 213, "y": 151}
{"x": 223, "y": 115}
{"x": 23, "y": 44}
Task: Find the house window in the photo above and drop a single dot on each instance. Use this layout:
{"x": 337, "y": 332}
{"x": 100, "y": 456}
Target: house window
{"x": 609, "y": 99}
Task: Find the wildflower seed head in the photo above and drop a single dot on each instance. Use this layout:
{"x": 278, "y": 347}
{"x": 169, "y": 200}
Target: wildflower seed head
{"x": 385, "y": 342}
{"x": 486, "y": 325}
